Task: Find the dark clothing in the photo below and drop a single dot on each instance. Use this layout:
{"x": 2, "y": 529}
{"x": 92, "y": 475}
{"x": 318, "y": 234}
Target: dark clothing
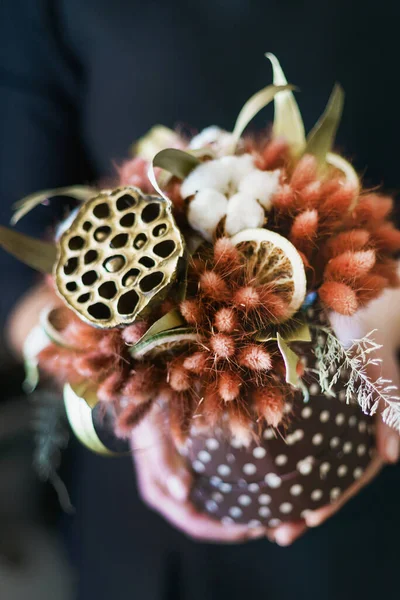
{"x": 80, "y": 80}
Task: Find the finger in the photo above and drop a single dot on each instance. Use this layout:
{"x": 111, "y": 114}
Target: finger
{"x": 287, "y": 533}
{"x": 317, "y": 517}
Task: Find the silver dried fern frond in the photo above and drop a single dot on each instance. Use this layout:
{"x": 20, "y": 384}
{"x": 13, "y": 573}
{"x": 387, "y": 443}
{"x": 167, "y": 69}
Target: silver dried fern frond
{"x": 356, "y": 360}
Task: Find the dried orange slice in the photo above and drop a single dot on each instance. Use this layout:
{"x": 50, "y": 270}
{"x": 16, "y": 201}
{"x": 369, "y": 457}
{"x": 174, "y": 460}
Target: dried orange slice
{"x": 272, "y": 259}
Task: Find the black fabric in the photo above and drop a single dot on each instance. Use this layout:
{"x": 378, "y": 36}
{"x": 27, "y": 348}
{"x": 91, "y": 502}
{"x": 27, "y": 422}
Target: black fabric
{"x": 80, "y": 80}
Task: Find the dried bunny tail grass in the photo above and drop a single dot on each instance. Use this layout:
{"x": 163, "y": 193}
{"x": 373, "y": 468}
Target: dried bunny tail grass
{"x": 337, "y": 204}
{"x": 192, "y": 312}
{"x": 274, "y": 156}
{"x": 304, "y": 173}
{"x": 353, "y": 240}
{"x": 386, "y": 238}
{"x": 229, "y": 385}
{"x": 227, "y": 258}
{"x": 178, "y": 377}
{"x": 370, "y": 287}
{"x": 93, "y": 366}
{"x": 211, "y": 407}
{"x": 338, "y": 297}
{"x": 255, "y": 358}
{"x": 180, "y": 412}
{"x": 269, "y": 405}
{"x": 239, "y": 423}
{"x": 79, "y": 334}
{"x": 141, "y": 383}
{"x": 109, "y": 390}
{"x": 132, "y": 334}
{"x": 59, "y": 363}
{"x": 246, "y": 299}
{"x": 285, "y": 199}
{"x": 304, "y": 229}
{"x": 350, "y": 265}
{"x": 372, "y": 208}
{"x": 273, "y": 307}
{"x": 130, "y": 417}
{"x": 310, "y": 196}
{"x": 222, "y": 346}
{"x": 112, "y": 344}
{"x": 213, "y": 286}
{"x": 226, "y": 320}
{"x": 389, "y": 269}
{"x": 196, "y": 363}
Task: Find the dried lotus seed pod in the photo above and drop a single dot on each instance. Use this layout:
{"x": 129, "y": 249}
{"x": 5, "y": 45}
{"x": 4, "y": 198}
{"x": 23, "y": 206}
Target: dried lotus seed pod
{"x": 119, "y": 255}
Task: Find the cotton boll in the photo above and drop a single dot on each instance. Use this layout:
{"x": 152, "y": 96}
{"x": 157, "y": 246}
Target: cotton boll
{"x": 213, "y": 174}
{"x": 213, "y": 136}
{"x": 262, "y": 185}
{"x": 238, "y": 167}
{"x": 243, "y": 212}
{"x": 206, "y": 210}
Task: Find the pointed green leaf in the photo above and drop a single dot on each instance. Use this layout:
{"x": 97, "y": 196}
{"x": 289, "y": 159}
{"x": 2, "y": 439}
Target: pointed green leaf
{"x": 168, "y": 321}
{"x": 78, "y": 192}
{"x": 322, "y": 136}
{"x": 35, "y": 253}
{"x": 253, "y": 106}
{"x": 287, "y": 119}
{"x": 167, "y": 340}
{"x": 291, "y": 359}
{"x": 299, "y": 334}
{"x": 156, "y": 139}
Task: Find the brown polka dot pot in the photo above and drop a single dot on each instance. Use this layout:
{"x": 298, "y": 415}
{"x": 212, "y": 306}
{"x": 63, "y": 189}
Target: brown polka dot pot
{"x": 324, "y": 450}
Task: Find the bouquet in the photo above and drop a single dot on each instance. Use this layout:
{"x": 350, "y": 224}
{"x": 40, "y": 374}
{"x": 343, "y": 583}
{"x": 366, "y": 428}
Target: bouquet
{"x": 204, "y": 281}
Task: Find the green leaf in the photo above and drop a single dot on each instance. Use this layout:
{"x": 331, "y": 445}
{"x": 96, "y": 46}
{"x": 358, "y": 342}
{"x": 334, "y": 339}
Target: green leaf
{"x": 86, "y": 392}
{"x": 35, "y": 253}
{"x": 168, "y": 321}
{"x": 322, "y": 136}
{"x": 177, "y": 162}
{"x": 253, "y": 106}
{"x": 291, "y": 359}
{"x": 78, "y": 192}
{"x": 288, "y": 122}
{"x": 34, "y": 343}
{"x": 167, "y": 340}
{"x": 299, "y": 334}
{"x": 156, "y": 139}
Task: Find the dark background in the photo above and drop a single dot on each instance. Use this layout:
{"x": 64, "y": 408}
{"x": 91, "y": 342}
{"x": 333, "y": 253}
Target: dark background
{"x": 80, "y": 80}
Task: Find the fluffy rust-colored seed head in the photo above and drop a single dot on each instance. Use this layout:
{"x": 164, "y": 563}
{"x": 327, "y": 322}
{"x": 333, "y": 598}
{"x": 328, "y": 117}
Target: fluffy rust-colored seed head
{"x": 229, "y": 385}
{"x": 269, "y": 403}
{"x": 284, "y": 199}
{"x": 339, "y": 202}
{"x": 353, "y": 240}
{"x": 226, "y": 256}
{"x": 133, "y": 333}
{"x": 338, "y": 297}
{"x": 213, "y": 286}
{"x": 386, "y": 238}
{"x": 304, "y": 227}
{"x": 130, "y": 417}
{"x": 350, "y": 265}
{"x": 109, "y": 390}
{"x": 246, "y": 298}
{"x": 226, "y": 320}
{"x": 93, "y": 366}
{"x": 310, "y": 195}
{"x": 254, "y": 357}
{"x": 372, "y": 208}
{"x": 304, "y": 173}
{"x": 222, "y": 345}
{"x": 195, "y": 362}
{"x": 370, "y": 287}
{"x": 191, "y": 311}
{"x": 179, "y": 377}
{"x": 140, "y": 384}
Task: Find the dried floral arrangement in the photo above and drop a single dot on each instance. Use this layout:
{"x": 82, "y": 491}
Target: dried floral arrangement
{"x": 204, "y": 281}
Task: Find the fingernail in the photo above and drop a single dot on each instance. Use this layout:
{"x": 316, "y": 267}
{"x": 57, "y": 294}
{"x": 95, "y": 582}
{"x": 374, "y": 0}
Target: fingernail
{"x": 177, "y": 488}
{"x": 392, "y": 448}
{"x": 283, "y": 537}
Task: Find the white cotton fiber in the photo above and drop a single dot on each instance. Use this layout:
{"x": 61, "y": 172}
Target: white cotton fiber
{"x": 261, "y": 185}
{"x": 244, "y": 212}
{"x": 206, "y": 210}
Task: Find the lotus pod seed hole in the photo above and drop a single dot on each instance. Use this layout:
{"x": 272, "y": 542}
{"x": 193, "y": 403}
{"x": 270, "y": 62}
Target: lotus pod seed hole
{"x": 119, "y": 241}
{"x": 114, "y": 263}
{"x": 165, "y": 248}
{"x": 84, "y": 298}
{"x": 151, "y": 212}
{"x": 159, "y": 230}
{"x": 102, "y": 233}
{"x": 99, "y": 311}
{"x": 71, "y": 286}
{"x": 130, "y": 277}
{"x": 87, "y": 226}
{"x": 70, "y": 266}
{"x": 90, "y": 257}
{"x": 101, "y": 211}
{"x": 76, "y": 243}
{"x": 140, "y": 241}
{"x": 108, "y": 290}
{"x": 127, "y": 220}
{"x": 151, "y": 281}
{"x": 127, "y": 303}
{"x": 147, "y": 262}
{"x": 89, "y": 278}
{"x": 124, "y": 202}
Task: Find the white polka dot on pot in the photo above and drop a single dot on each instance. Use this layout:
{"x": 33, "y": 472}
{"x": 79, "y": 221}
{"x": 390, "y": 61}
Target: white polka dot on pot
{"x": 249, "y": 469}
{"x": 264, "y": 512}
{"x": 340, "y": 419}
{"x": 314, "y": 389}
{"x": 324, "y": 469}
{"x": 347, "y": 447}
{"x": 212, "y": 444}
{"x": 224, "y": 470}
{"x": 264, "y": 499}
{"x": 316, "y": 495}
{"x": 204, "y": 456}
{"x": 259, "y": 452}
{"x": 335, "y": 493}
{"x": 253, "y": 488}
{"x": 211, "y": 506}
{"x": 235, "y": 512}
{"x": 281, "y": 460}
{"x": 217, "y": 497}
{"x": 273, "y": 480}
{"x": 296, "y": 489}
{"x": 324, "y": 416}
{"x": 227, "y": 521}
{"x": 306, "y": 412}
{"x": 225, "y": 488}
{"x": 358, "y": 472}
{"x": 198, "y": 466}
{"x": 253, "y": 523}
{"x": 342, "y": 470}
{"x": 286, "y": 508}
{"x": 361, "y": 449}
{"x": 274, "y": 522}
{"x": 269, "y": 434}
{"x": 244, "y": 500}
{"x": 317, "y": 439}
{"x": 305, "y": 466}
{"x": 335, "y": 442}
